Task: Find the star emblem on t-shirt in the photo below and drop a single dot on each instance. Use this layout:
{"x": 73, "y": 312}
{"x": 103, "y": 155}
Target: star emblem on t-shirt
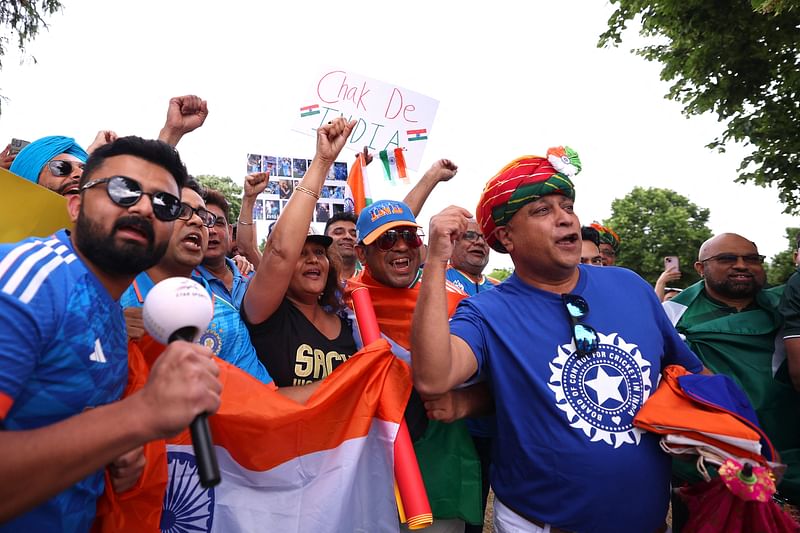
{"x": 606, "y": 387}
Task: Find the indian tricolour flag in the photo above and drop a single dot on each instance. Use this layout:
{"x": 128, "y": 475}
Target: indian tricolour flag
{"x": 394, "y": 165}
{"x": 357, "y": 192}
{"x": 326, "y": 466}
{"x": 309, "y": 110}
{"x": 417, "y": 135}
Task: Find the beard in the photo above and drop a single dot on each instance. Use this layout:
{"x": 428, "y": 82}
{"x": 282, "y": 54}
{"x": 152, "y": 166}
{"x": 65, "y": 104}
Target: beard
{"x": 736, "y": 289}
{"x": 113, "y": 257}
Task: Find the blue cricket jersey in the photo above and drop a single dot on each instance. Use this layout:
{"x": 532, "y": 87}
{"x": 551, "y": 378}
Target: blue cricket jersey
{"x": 63, "y": 349}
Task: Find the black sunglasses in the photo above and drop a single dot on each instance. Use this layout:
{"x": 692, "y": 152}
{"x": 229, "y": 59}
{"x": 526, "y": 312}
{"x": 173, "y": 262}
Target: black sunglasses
{"x": 412, "y": 238}
{"x": 206, "y": 217}
{"x": 586, "y": 339}
{"x": 59, "y": 168}
{"x": 125, "y": 192}
{"x": 730, "y": 259}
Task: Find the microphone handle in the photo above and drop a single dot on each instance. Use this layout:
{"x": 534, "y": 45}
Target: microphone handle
{"x": 204, "y": 454}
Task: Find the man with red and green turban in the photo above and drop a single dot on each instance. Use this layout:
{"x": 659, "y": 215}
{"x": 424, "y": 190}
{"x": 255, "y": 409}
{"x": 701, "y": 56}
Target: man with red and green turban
{"x": 570, "y": 353}
{"x": 609, "y": 244}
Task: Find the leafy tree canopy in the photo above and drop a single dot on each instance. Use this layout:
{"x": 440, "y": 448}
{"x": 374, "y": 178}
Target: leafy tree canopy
{"x": 501, "y": 274}
{"x": 739, "y": 59}
{"x": 20, "y": 22}
{"x": 653, "y": 223}
{"x": 225, "y": 185}
{"x": 782, "y": 264}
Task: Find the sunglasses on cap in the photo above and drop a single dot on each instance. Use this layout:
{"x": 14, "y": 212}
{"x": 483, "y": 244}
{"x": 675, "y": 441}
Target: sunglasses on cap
{"x": 412, "y": 238}
{"x": 586, "y": 339}
{"x": 472, "y": 236}
{"x": 206, "y": 217}
{"x": 60, "y": 168}
{"x": 126, "y": 192}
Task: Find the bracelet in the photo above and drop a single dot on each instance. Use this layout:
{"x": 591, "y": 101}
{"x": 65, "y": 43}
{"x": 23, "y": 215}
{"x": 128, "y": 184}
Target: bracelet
{"x": 307, "y": 191}
{"x": 242, "y": 222}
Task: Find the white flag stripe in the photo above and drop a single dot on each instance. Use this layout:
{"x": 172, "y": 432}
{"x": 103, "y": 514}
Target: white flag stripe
{"x": 347, "y": 488}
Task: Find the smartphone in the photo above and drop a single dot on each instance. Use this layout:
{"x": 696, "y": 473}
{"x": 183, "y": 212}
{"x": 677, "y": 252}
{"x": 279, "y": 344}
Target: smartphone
{"x": 17, "y": 145}
{"x": 671, "y": 263}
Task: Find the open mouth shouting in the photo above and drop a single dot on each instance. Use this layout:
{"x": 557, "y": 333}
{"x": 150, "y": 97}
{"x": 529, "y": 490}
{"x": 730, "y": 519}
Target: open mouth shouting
{"x": 313, "y": 273}
{"x": 569, "y": 241}
{"x": 134, "y": 229}
{"x": 401, "y": 265}
{"x": 192, "y": 241}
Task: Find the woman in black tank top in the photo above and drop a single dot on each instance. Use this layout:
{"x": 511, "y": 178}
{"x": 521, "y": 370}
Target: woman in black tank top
{"x": 292, "y": 305}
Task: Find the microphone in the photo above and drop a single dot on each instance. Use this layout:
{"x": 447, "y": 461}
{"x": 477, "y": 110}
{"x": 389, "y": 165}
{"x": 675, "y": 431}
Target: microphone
{"x": 181, "y": 309}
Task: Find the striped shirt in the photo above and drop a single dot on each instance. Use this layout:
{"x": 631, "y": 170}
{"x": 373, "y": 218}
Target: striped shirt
{"x": 64, "y": 350}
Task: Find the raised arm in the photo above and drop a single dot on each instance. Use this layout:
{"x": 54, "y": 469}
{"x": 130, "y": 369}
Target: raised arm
{"x": 254, "y": 184}
{"x": 440, "y": 361}
{"x": 271, "y": 280}
{"x": 440, "y": 171}
{"x": 184, "y": 114}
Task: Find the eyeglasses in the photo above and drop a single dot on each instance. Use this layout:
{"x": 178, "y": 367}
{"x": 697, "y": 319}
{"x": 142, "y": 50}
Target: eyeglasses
{"x": 60, "y": 168}
{"x": 586, "y": 338}
{"x": 220, "y": 222}
{"x": 126, "y": 192}
{"x": 731, "y": 259}
{"x": 206, "y": 217}
{"x": 472, "y": 236}
{"x": 412, "y": 238}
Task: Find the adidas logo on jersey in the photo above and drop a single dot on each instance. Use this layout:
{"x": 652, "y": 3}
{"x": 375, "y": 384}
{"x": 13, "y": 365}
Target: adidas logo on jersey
{"x": 97, "y": 355}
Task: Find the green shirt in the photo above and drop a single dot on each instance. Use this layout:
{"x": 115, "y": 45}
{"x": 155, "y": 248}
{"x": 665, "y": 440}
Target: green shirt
{"x": 742, "y": 345}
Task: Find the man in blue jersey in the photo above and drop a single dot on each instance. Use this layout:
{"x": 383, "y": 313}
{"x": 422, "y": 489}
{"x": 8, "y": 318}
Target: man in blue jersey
{"x": 227, "y": 336}
{"x": 470, "y": 257}
{"x": 221, "y": 273}
{"x": 571, "y": 353}
{"x": 63, "y": 349}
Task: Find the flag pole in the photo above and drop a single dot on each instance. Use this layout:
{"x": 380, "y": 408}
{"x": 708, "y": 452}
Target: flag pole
{"x": 413, "y": 498}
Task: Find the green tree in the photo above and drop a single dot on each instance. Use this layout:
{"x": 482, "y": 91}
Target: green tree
{"x": 20, "y": 22}
{"x": 782, "y": 264}
{"x": 741, "y": 64}
{"x": 225, "y": 185}
{"x": 501, "y": 274}
{"x": 653, "y": 223}
{"x": 773, "y": 6}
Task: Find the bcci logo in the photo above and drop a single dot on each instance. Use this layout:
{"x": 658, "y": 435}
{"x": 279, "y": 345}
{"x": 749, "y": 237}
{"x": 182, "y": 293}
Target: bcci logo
{"x": 187, "y": 505}
{"x": 211, "y": 340}
{"x": 600, "y": 394}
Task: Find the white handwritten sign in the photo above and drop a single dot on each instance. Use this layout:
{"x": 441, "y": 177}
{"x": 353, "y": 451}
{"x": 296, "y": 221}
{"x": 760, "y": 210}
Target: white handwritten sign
{"x": 387, "y": 116}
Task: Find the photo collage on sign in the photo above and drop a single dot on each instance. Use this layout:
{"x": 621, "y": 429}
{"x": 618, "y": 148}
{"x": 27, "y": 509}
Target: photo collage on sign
{"x": 285, "y": 174}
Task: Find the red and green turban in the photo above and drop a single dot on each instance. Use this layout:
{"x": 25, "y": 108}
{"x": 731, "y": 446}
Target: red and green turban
{"x": 522, "y": 181}
{"x": 607, "y": 236}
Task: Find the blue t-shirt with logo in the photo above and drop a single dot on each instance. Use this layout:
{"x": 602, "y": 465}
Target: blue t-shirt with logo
{"x": 566, "y": 452}
{"x": 64, "y": 350}
{"x": 238, "y": 287}
{"x": 226, "y": 336}
{"x": 463, "y": 282}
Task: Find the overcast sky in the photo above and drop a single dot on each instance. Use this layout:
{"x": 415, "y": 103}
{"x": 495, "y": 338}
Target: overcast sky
{"x": 510, "y": 80}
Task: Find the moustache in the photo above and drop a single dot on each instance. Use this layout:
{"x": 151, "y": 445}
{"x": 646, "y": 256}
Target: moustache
{"x": 66, "y": 185}
{"x": 137, "y": 223}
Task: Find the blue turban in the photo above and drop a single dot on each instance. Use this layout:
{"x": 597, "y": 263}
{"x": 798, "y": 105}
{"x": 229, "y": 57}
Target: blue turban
{"x": 31, "y": 160}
